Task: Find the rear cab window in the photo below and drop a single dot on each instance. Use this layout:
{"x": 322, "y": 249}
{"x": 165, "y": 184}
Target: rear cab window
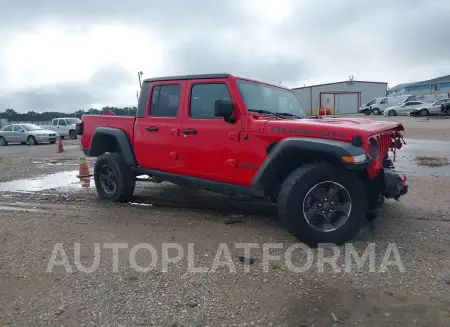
{"x": 8, "y": 128}
{"x": 164, "y": 100}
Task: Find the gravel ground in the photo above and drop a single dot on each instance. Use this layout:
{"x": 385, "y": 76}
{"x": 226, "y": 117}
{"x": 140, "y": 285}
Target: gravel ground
{"x": 31, "y": 223}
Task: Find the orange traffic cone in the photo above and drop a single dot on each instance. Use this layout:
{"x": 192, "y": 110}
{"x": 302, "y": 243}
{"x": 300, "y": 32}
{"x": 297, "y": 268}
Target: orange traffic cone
{"x": 60, "y": 145}
{"x": 84, "y": 169}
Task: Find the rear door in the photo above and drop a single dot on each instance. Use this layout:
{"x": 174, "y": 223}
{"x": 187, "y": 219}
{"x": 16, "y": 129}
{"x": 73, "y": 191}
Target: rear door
{"x": 209, "y": 146}
{"x": 8, "y": 134}
{"x": 157, "y": 134}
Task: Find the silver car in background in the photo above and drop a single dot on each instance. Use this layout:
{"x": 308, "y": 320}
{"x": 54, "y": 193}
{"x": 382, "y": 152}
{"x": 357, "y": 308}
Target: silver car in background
{"x": 404, "y": 109}
{"x": 26, "y": 133}
{"x": 430, "y": 108}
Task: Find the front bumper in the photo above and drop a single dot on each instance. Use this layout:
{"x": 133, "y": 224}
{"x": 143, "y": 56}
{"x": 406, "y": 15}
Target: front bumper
{"x": 395, "y": 185}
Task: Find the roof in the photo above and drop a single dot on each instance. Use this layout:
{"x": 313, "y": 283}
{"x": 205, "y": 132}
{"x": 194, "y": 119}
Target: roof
{"x": 186, "y": 77}
{"x": 208, "y": 76}
{"x": 370, "y": 82}
{"x": 442, "y": 79}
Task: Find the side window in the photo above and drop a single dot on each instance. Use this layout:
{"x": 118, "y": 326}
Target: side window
{"x": 17, "y": 128}
{"x": 165, "y": 100}
{"x": 55, "y": 122}
{"x": 62, "y": 122}
{"x": 8, "y": 128}
{"x": 203, "y": 97}
{"x": 385, "y": 100}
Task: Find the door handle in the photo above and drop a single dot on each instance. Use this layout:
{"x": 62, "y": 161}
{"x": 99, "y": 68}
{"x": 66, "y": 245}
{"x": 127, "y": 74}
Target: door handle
{"x": 189, "y": 131}
{"x": 151, "y": 129}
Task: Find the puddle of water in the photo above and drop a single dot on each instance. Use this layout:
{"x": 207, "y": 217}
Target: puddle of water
{"x": 406, "y": 157}
{"x": 57, "y": 180}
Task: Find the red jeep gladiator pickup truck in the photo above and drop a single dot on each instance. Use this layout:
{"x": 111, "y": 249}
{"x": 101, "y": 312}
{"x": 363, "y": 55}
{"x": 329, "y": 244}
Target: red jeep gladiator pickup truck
{"x": 235, "y": 135}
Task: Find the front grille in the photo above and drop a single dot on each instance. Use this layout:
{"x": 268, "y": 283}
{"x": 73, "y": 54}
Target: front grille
{"x": 385, "y": 141}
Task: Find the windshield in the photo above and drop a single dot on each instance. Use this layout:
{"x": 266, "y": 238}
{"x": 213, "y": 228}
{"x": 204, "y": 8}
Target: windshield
{"x": 72, "y": 121}
{"x": 31, "y": 127}
{"x": 258, "y": 96}
{"x": 371, "y": 102}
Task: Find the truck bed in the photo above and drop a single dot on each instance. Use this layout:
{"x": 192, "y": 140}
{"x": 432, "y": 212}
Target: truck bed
{"x": 91, "y": 122}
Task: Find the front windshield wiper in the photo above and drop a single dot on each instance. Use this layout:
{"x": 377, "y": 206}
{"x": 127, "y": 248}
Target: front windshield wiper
{"x": 262, "y": 111}
{"x": 288, "y": 114}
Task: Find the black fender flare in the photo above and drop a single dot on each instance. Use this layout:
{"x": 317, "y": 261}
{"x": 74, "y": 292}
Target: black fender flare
{"x": 97, "y": 146}
{"x": 319, "y": 148}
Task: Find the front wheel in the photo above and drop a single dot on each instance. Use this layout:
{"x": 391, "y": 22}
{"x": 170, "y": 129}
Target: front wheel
{"x": 114, "y": 180}
{"x": 392, "y": 112}
{"x": 31, "y": 140}
{"x": 367, "y": 112}
{"x": 424, "y": 112}
{"x": 376, "y": 111}
{"x": 322, "y": 203}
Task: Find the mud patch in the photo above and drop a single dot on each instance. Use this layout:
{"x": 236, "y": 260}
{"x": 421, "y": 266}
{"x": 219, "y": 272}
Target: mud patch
{"x": 432, "y": 162}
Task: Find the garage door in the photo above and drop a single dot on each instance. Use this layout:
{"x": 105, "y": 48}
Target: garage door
{"x": 346, "y": 103}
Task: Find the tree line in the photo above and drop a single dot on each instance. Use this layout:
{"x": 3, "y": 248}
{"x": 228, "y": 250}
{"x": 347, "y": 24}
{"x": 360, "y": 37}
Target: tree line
{"x": 33, "y": 116}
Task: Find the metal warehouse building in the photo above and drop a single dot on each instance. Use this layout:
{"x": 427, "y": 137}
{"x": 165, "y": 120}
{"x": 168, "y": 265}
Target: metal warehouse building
{"x": 437, "y": 85}
{"x": 340, "y": 97}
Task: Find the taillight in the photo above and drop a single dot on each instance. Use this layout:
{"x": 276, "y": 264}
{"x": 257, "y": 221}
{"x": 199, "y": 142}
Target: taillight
{"x": 79, "y": 128}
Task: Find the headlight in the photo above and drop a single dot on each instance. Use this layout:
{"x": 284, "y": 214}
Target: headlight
{"x": 374, "y": 148}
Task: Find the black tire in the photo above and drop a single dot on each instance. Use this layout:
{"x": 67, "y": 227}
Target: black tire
{"x": 295, "y": 189}
{"x": 392, "y": 112}
{"x": 32, "y": 140}
{"x": 3, "y": 141}
{"x": 424, "y": 112}
{"x": 366, "y": 112}
{"x": 376, "y": 111}
{"x": 73, "y": 134}
{"x": 125, "y": 181}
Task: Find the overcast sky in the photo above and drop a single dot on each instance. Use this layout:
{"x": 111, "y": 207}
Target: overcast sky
{"x": 69, "y": 55}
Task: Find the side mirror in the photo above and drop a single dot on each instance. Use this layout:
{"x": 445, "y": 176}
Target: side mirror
{"x": 223, "y": 108}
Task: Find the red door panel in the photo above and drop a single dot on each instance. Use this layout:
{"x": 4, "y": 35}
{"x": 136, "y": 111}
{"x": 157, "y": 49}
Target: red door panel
{"x": 209, "y": 145}
{"x": 157, "y": 134}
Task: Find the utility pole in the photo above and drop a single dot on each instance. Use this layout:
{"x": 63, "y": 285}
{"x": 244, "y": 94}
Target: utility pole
{"x": 139, "y": 77}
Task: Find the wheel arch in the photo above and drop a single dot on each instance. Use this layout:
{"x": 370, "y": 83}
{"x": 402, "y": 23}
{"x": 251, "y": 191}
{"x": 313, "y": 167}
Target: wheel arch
{"x": 107, "y": 139}
{"x": 290, "y": 153}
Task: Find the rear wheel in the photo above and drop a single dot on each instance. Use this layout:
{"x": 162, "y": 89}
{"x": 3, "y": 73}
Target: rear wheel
{"x": 73, "y": 134}
{"x": 3, "y": 141}
{"x": 376, "y": 111}
{"x": 114, "y": 180}
{"x": 322, "y": 203}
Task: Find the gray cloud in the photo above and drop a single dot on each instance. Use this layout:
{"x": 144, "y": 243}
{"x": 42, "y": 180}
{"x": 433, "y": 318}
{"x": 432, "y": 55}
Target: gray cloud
{"x": 70, "y": 96}
{"x": 318, "y": 40}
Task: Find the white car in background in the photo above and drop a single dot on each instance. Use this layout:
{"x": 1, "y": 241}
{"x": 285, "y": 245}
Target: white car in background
{"x": 430, "y": 108}
{"x": 404, "y": 109}
{"x": 65, "y": 127}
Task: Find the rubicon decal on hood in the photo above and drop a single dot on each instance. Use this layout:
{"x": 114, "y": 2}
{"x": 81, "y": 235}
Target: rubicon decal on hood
{"x": 310, "y": 132}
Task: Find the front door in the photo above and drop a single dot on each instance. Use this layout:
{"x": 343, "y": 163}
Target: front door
{"x": 157, "y": 134}
{"x": 19, "y": 134}
{"x": 209, "y": 145}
